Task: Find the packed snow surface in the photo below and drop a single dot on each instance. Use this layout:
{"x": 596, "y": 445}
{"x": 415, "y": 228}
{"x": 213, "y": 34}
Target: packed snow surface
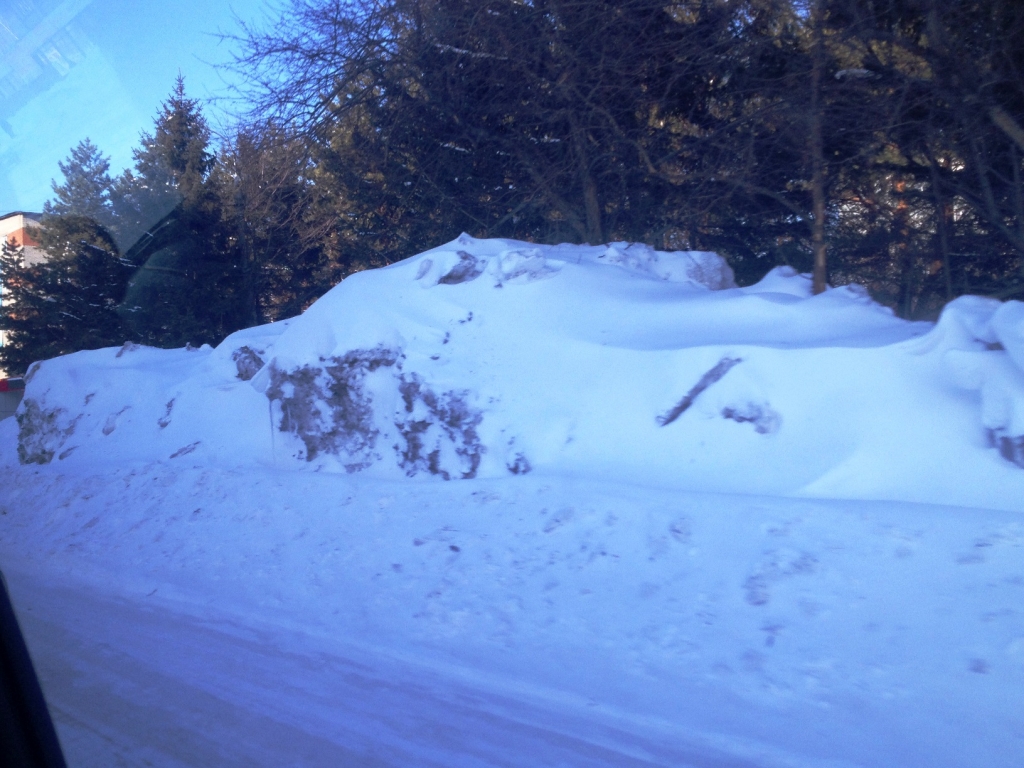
{"x": 685, "y": 523}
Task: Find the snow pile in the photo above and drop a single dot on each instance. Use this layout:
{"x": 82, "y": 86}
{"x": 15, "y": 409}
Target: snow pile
{"x": 484, "y": 358}
{"x": 970, "y": 330}
{"x": 249, "y": 537}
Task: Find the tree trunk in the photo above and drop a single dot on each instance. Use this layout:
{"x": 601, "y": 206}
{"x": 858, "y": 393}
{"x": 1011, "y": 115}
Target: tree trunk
{"x": 820, "y": 277}
{"x": 903, "y": 255}
{"x": 941, "y": 221}
{"x": 591, "y": 203}
{"x": 595, "y": 233}
{"x": 1018, "y": 197}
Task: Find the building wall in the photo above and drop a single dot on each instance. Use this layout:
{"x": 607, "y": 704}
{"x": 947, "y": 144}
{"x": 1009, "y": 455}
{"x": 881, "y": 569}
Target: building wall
{"x": 22, "y": 228}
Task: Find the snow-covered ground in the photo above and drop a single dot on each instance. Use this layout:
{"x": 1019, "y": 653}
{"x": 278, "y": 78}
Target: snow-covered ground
{"x": 684, "y": 523}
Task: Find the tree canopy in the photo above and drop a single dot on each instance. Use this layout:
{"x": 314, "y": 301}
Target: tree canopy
{"x": 871, "y": 141}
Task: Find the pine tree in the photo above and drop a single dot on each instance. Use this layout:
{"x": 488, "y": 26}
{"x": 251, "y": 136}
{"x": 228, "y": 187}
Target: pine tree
{"x": 35, "y": 312}
{"x": 86, "y": 276}
{"x": 188, "y": 283}
{"x": 81, "y": 208}
{"x": 86, "y": 187}
{"x": 68, "y": 302}
{"x": 171, "y": 167}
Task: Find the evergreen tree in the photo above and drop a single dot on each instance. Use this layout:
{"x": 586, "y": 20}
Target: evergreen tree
{"x": 68, "y": 302}
{"x": 188, "y": 287}
{"x": 86, "y": 276}
{"x": 81, "y": 210}
{"x": 62, "y": 304}
{"x": 86, "y": 188}
{"x": 171, "y": 167}
{"x": 32, "y": 313}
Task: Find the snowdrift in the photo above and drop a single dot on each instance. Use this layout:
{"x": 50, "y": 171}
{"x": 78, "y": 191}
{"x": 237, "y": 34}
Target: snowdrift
{"x": 485, "y": 358}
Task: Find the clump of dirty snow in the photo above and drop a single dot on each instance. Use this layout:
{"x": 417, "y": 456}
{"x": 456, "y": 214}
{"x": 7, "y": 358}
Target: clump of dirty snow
{"x": 329, "y": 408}
{"x": 438, "y": 432}
{"x": 247, "y": 361}
{"x": 42, "y": 431}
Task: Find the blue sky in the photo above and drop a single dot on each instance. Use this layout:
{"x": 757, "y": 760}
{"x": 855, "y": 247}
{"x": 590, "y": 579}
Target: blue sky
{"x": 132, "y": 52}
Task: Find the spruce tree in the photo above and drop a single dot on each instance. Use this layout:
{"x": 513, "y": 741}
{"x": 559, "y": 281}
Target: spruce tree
{"x": 188, "y": 283}
{"x": 59, "y": 305}
{"x": 86, "y": 276}
{"x": 69, "y": 301}
{"x": 81, "y": 208}
{"x": 86, "y": 187}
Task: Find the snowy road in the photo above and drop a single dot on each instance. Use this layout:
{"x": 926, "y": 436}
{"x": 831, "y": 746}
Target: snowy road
{"x": 130, "y": 683}
{"x": 216, "y": 617}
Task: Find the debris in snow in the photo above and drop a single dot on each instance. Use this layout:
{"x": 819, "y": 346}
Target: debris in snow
{"x": 468, "y": 268}
{"x": 42, "y": 432}
{"x": 164, "y": 420}
{"x": 128, "y": 346}
{"x": 1010, "y": 448}
{"x": 519, "y": 465}
{"x": 248, "y": 362}
{"x": 709, "y": 378}
{"x": 328, "y": 406}
{"x": 111, "y": 423}
{"x": 186, "y": 450}
{"x": 764, "y": 419}
{"x": 439, "y": 431}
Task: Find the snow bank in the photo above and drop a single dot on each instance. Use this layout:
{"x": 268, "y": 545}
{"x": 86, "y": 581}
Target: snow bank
{"x": 484, "y": 358}
{"x": 982, "y": 343}
{"x": 595, "y": 394}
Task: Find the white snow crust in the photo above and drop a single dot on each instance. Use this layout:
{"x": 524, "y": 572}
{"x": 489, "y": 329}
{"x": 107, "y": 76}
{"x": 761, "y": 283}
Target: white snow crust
{"x": 611, "y": 495}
